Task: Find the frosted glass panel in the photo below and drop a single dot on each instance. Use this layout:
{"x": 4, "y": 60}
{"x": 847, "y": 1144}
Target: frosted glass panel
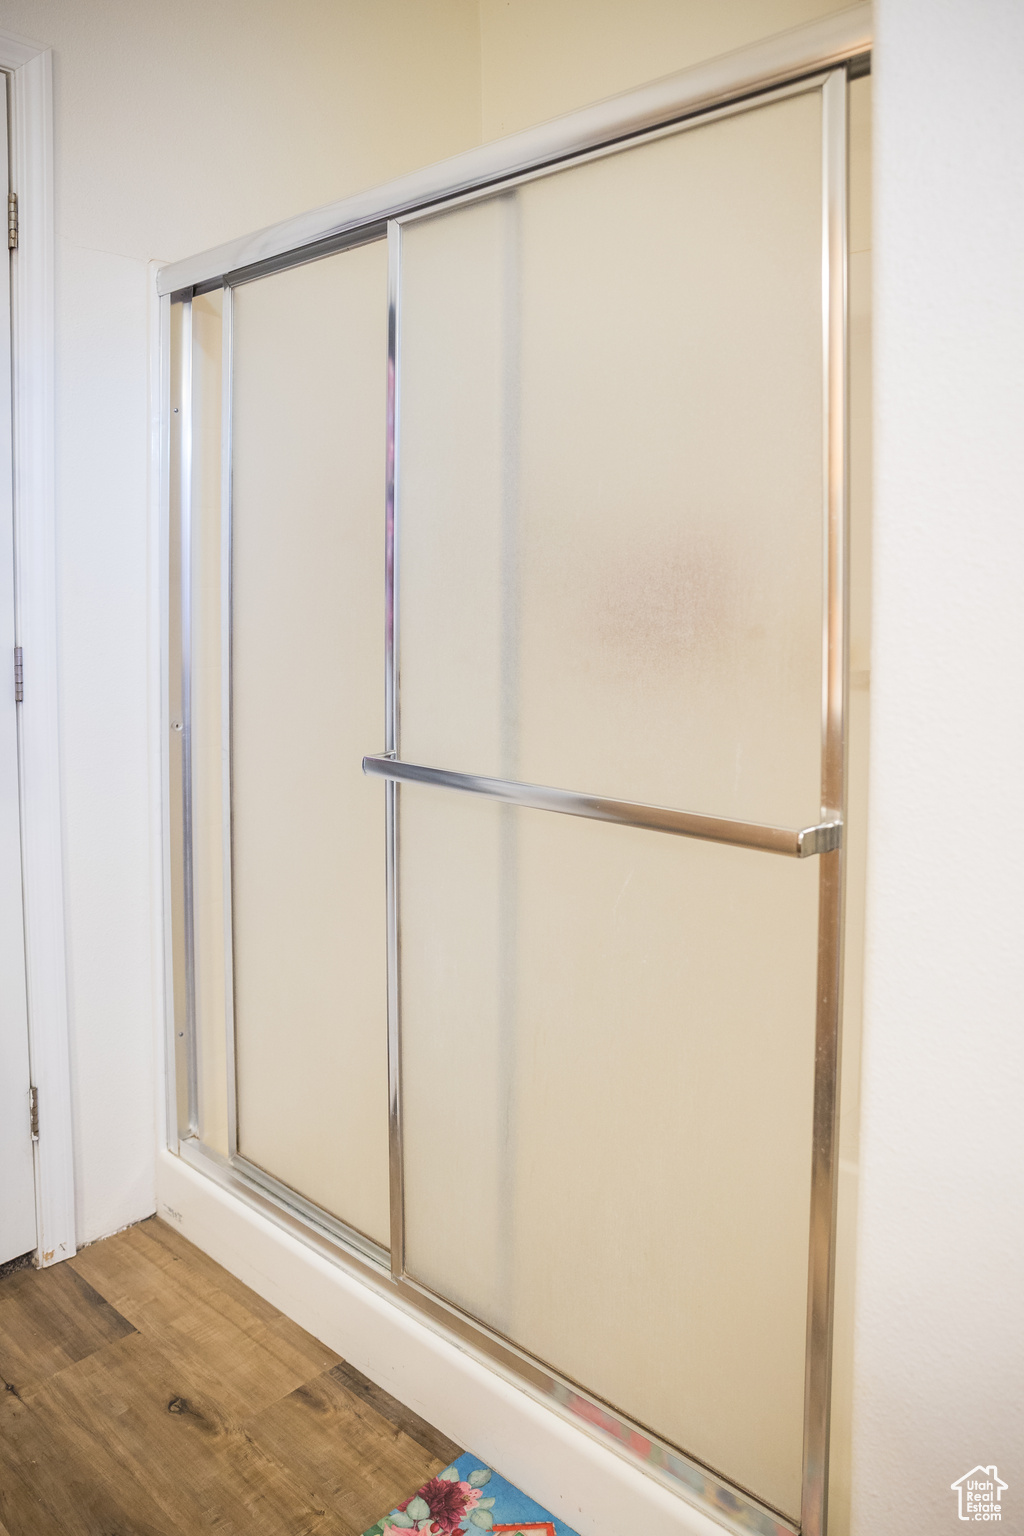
{"x": 610, "y": 477}
{"x": 607, "y": 1057}
{"x": 310, "y": 350}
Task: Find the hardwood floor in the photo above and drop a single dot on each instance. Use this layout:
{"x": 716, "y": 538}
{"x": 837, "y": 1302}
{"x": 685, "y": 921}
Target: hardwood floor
{"x": 149, "y": 1393}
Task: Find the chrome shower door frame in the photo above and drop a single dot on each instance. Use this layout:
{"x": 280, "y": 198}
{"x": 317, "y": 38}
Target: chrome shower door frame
{"x": 385, "y": 1271}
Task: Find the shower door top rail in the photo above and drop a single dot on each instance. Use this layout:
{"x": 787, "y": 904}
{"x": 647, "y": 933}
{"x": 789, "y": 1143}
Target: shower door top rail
{"x": 796, "y": 843}
{"x": 746, "y": 71}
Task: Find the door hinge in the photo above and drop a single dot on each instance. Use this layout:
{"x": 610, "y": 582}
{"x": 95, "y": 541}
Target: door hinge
{"x": 33, "y": 1111}
{"x": 12, "y": 221}
{"x": 19, "y": 676}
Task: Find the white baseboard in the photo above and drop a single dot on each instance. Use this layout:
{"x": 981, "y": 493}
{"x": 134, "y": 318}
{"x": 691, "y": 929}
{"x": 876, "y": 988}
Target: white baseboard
{"x": 589, "y": 1486}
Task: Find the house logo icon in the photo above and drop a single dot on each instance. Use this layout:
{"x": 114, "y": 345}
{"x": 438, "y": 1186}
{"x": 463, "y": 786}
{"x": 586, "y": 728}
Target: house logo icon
{"x": 980, "y": 1493}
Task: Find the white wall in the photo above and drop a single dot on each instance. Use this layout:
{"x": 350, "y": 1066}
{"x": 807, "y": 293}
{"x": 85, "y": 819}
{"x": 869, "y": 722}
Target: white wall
{"x": 177, "y": 126}
{"x": 939, "y": 1367}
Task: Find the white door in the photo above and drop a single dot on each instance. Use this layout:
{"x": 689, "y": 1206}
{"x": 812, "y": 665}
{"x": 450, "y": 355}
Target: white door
{"x": 17, "y": 1197}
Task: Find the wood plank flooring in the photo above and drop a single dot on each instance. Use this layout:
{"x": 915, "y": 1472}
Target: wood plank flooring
{"x": 150, "y": 1393}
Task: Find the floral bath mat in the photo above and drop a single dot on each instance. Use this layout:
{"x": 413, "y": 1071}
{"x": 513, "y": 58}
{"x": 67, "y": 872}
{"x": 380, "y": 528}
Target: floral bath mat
{"x": 466, "y": 1499}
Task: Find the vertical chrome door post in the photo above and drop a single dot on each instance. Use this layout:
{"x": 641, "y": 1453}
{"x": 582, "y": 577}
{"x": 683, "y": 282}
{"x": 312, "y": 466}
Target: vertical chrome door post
{"x": 179, "y": 710}
{"x": 824, "y": 1154}
{"x": 391, "y": 742}
{"x": 170, "y": 703}
{"x": 226, "y": 631}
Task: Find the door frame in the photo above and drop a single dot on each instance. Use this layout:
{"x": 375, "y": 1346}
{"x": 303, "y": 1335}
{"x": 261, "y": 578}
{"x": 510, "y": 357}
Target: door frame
{"x": 29, "y": 68}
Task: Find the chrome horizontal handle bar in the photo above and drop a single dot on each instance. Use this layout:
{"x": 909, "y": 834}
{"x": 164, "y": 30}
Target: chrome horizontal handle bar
{"x": 799, "y": 844}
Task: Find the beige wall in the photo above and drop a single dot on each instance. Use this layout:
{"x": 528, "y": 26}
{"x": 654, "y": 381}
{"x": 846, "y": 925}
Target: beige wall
{"x": 539, "y": 58}
{"x": 177, "y": 126}
{"x": 181, "y": 125}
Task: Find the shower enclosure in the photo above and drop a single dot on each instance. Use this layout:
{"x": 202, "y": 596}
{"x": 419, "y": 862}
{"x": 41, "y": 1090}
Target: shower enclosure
{"x": 506, "y": 733}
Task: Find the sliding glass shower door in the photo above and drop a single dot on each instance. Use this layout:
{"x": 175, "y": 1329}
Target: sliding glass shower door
{"x": 609, "y": 493}
{"x": 307, "y": 606}
{"x": 287, "y": 378}
{"x": 507, "y": 584}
